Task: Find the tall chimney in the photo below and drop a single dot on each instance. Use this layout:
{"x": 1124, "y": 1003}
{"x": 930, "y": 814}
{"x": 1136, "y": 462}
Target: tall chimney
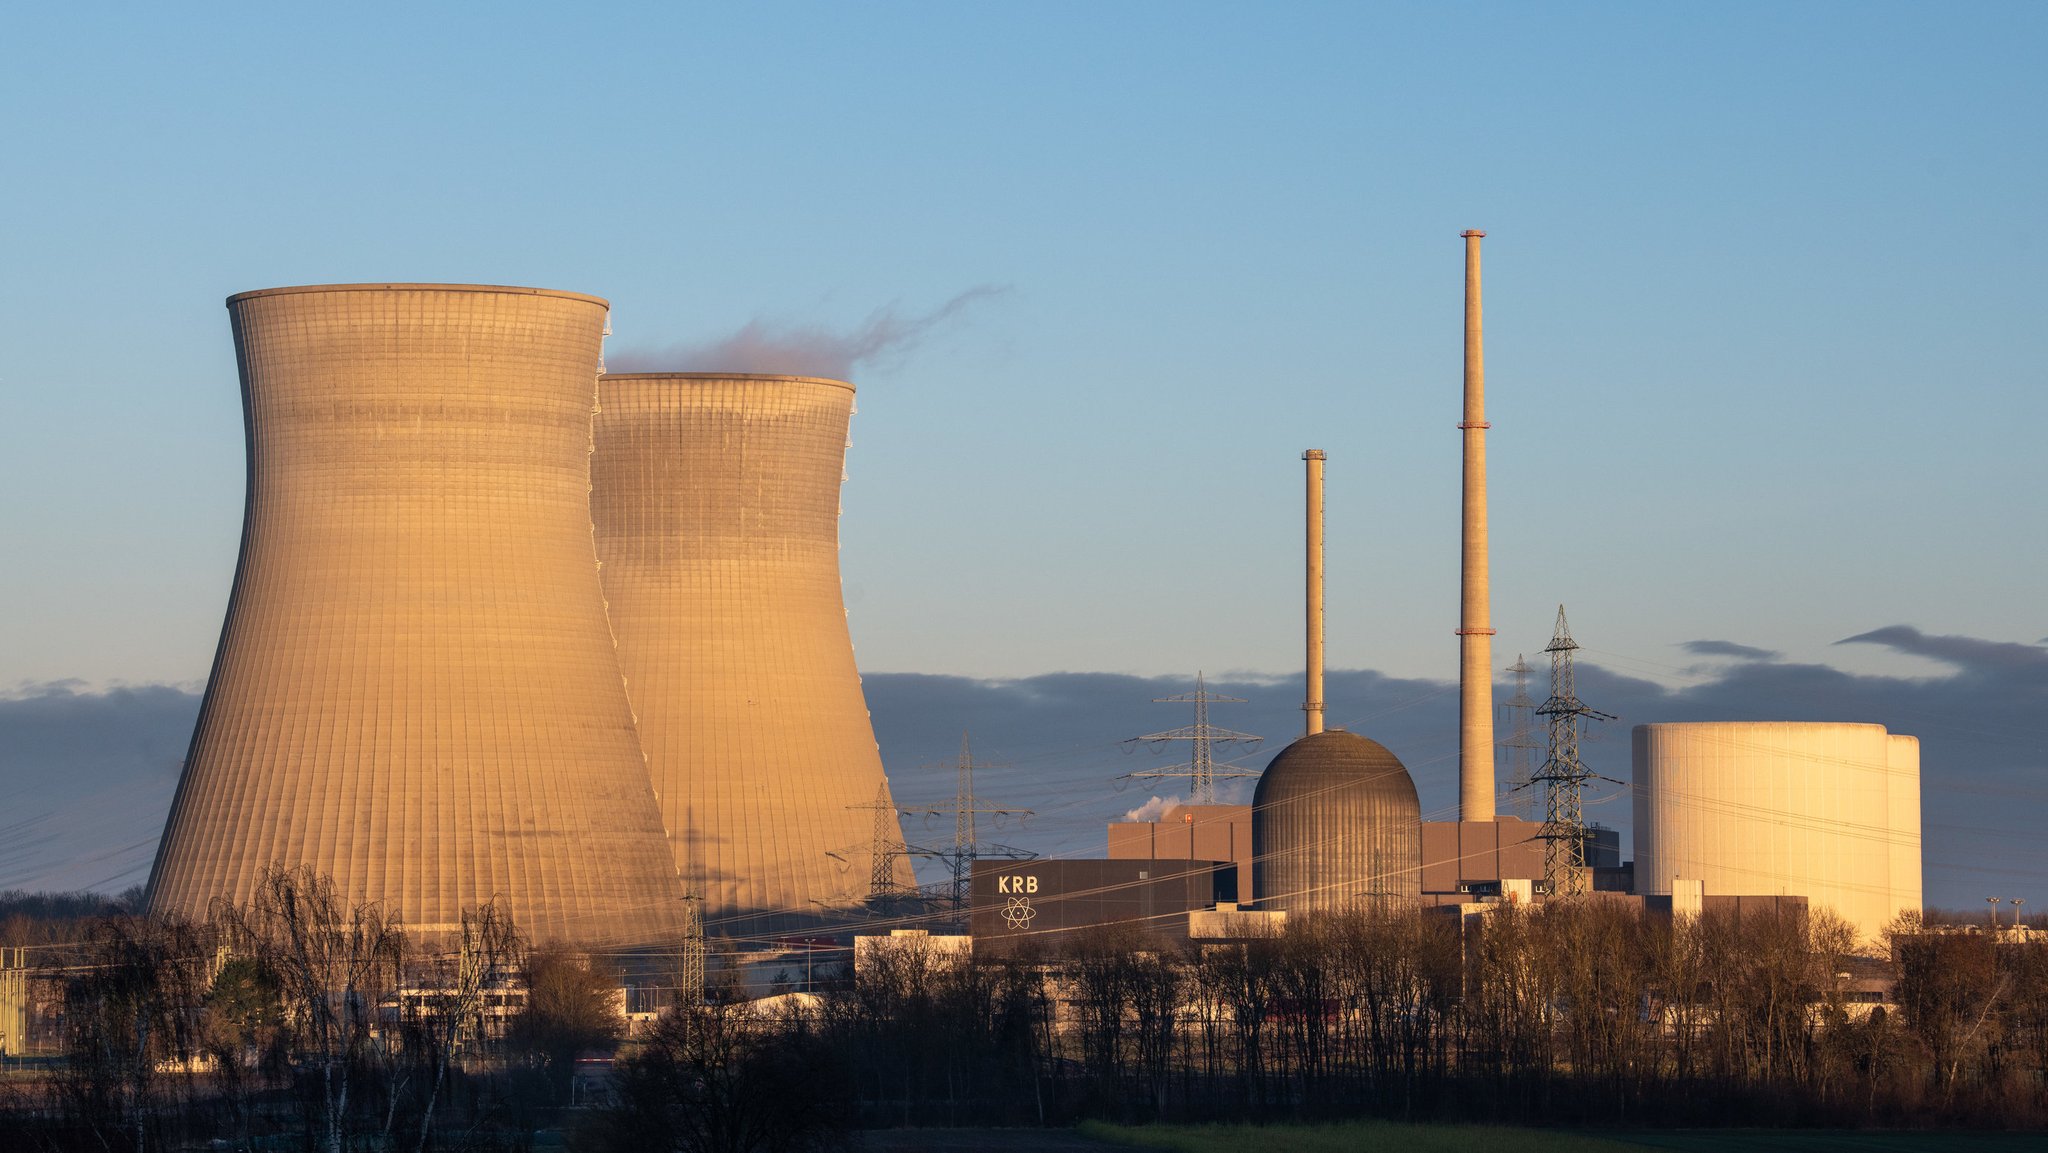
{"x": 1313, "y": 704}
{"x": 1475, "y": 636}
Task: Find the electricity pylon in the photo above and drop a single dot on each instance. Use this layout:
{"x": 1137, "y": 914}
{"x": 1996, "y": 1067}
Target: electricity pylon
{"x": 968, "y": 847}
{"x": 1564, "y": 775}
{"x": 1520, "y": 744}
{"x": 883, "y": 849}
{"x": 1201, "y": 770}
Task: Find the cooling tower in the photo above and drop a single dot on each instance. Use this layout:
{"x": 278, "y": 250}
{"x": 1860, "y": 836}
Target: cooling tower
{"x": 416, "y": 691}
{"x": 1830, "y": 812}
{"x": 716, "y": 502}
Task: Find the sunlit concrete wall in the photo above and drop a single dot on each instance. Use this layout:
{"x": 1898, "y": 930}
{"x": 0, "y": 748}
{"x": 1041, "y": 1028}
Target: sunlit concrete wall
{"x": 1770, "y": 808}
{"x": 716, "y": 502}
{"x": 1902, "y": 775}
{"x": 416, "y": 691}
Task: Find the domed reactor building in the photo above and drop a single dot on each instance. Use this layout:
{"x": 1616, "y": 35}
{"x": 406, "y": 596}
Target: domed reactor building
{"x": 716, "y": 504}
{"x": 1336, "y": 825}
{"x": 416, "y": 692}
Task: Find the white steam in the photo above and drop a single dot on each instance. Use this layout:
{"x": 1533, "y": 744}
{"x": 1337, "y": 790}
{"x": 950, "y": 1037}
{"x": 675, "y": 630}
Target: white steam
{"x": 803, "y": 350}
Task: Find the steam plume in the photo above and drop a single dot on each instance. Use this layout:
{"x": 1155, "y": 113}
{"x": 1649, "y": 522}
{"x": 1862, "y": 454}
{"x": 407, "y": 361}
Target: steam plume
{"x": 804, "y": 350}
{"x": 1156, "y": 809}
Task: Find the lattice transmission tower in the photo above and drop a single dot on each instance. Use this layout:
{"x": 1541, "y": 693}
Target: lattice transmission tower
{"x": 1564, "y": 774}
{"x": 1520, "y": 744}
{"x": 968, "y": 847}
{"x": 1201, "y": 770}
{"x": 690, "y": 965}
{"x": 883, "y": 848}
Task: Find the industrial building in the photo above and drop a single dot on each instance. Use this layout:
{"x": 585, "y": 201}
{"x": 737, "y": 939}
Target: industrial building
{"x": 415, "y": 691}
{"x": 503, "y": 628}
{"x": 715, "y": 500}
{"x": 1829, "y": 812}
{"x": 1041, "y": 905}
{"x": 1732, "y": 817}
{"x": 1336, "y": 825}
{"x": 1194, "y": 833}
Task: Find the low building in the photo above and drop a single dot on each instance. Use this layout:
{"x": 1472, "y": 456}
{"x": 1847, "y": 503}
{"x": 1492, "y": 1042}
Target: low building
{"x": 1025, "y": 906}
{"x": 1192, "y": 833}
{"x": 910, "y": 946}
{"x": 1464, "y": 860}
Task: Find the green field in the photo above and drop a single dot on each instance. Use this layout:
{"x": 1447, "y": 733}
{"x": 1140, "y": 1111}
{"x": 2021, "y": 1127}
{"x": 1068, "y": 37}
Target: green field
{"x": 1390, "y": 1135}
{"x": 1353, "y": 1136}
{"x": 1834, "y": 1141}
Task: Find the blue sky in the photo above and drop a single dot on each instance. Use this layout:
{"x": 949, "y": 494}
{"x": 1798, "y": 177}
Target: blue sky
{"x": 1764, "y": 302}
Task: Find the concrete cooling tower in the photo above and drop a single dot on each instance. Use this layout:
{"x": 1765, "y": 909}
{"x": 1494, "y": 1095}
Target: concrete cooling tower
{"x": 716, "y": 503}
{"x": 416, "y": 691}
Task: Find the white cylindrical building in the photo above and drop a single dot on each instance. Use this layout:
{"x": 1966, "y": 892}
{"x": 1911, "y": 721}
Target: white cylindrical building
{"x": 1829, "y": 812}
{"x": 1902, "y": 772}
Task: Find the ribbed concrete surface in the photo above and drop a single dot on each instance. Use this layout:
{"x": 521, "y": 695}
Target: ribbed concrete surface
{"x": 1335, "y": 824}
{"x": 716, "y": 501}
{"x": 416, "y": 690}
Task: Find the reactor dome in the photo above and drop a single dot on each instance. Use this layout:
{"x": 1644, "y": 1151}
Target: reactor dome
{"x": 1335, "y": 824}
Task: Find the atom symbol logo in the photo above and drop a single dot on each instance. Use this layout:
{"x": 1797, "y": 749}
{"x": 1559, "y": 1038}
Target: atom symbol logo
{"x": 1019, "y": 913}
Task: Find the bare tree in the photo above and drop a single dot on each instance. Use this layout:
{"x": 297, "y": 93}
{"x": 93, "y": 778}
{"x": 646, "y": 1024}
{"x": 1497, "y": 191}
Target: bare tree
{"x": 572, "y": 1004}
{"x": 1949, "y": 988}
{"x": 133, "y": 1011}
{"x": 333, "y": 963}
{"x": 489, "y": 947}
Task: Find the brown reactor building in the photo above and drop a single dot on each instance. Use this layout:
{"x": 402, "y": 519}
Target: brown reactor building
{"x": 716, "y": 504}
{"x": 416, "y": 691}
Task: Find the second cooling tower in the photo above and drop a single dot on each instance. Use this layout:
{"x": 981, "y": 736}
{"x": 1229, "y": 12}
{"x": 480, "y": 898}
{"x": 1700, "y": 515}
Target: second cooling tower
{"x": 716, "y": 505}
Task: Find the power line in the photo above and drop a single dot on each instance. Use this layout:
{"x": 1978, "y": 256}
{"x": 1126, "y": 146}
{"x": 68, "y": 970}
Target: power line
{"x": 968, "y": 846}
{"x": 1202, "y": 769}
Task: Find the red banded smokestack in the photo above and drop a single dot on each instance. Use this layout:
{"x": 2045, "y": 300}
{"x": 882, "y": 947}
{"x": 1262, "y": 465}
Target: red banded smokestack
{"x": 1475, "y": 634}
{"x": 1312, "y": 704}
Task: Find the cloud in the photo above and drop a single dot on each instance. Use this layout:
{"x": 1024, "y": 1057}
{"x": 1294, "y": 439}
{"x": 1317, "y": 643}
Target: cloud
{"x": 2001, "y": 658}
{"x": 1729, "y": 649}
{"x": 91, "y": 773}
{"x": 885, "y": 337}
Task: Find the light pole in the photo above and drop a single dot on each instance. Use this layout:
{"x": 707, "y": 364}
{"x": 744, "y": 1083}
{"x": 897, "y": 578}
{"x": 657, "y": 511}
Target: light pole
{"x": 1994, "y": 911}
{"x": 2016, "y": 903}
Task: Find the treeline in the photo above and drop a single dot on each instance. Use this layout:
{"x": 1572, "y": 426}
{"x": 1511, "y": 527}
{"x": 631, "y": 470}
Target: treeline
{"x": 299, "y": 1021}
{"x": 1585, "y": 1013}
{"x": 41, "y": 918}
